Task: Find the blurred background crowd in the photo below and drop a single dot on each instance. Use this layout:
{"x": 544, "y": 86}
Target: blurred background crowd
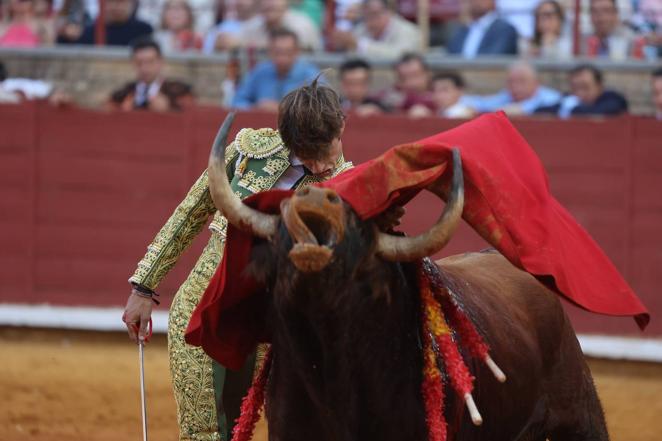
{"x": 282, "y": 39}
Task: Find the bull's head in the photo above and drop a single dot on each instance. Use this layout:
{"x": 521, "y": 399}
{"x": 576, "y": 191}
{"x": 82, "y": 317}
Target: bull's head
{"x": 316, "y": 218}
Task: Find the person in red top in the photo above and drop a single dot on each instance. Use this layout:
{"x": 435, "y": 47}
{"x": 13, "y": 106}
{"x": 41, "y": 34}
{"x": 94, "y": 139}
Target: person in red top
{"x": 412, "y": 86}
{"x": 24, "y": 29}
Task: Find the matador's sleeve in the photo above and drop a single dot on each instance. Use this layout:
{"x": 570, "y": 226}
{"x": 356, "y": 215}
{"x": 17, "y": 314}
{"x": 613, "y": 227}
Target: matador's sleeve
{"x": 178, "y": 233}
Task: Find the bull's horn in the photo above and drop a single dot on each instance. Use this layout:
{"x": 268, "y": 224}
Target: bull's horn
{"x": 407, "y": 249}
{"x": 236, "y": 212}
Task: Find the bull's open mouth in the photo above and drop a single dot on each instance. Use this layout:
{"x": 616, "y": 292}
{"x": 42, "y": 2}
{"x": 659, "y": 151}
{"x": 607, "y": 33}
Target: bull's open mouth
{"x": 320, "y": 227}
{"x": 313, "y": 250}
{"x": 314, "y": 218}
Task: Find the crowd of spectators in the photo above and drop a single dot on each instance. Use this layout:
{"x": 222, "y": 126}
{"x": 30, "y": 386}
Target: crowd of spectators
{"x": 618, "y": 29}
{"x": 418, "y": 94}
{"x": 364, "y": 30}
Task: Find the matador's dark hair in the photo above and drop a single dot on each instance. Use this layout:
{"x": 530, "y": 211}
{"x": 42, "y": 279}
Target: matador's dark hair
{"x": 309, "y": 118}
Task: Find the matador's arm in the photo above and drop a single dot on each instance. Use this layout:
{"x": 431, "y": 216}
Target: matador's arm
{"x": 178, "y": 233}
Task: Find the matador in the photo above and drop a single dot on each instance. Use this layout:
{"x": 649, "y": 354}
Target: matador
{"x": 306, "y": 149}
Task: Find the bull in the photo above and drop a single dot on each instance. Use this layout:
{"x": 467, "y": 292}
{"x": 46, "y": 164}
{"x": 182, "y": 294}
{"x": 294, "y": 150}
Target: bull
{"x": 343, "y": 318}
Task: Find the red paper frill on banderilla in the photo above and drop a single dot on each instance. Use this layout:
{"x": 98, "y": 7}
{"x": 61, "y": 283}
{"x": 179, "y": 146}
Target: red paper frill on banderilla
{"x": 507, "y": 201}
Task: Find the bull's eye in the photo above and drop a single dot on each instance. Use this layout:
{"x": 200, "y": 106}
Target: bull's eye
{"x": 302, "y": 191}
{"x": 332, "y": 197}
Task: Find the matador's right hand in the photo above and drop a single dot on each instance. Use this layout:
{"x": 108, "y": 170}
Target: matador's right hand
{"x": 137, "y": 314}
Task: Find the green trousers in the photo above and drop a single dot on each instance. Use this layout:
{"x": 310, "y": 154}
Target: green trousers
{"x": 208, "y": 396}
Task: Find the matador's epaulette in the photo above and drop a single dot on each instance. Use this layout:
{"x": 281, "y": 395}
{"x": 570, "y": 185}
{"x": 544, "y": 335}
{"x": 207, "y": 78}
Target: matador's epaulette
{"x": 258, "y": 143}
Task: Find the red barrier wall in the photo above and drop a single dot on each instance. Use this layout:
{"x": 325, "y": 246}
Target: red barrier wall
{"x": 82, "y": 194}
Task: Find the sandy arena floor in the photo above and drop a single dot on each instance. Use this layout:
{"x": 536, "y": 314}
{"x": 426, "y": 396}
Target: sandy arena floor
{"x": 58, "y": 385}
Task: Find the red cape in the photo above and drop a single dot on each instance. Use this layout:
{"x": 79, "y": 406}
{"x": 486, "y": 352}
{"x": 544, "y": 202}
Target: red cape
{"x": 507, "y": 201}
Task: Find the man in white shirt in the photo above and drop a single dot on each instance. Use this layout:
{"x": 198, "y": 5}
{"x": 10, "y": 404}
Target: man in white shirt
{"x": 225, "y": 35}
{"x": 274, "y": 14}
{"x": 610, "y": 38}
{"x": 522, "y": 95}
{"x": 383, "y": 33}
{"x": 486, "y": 34}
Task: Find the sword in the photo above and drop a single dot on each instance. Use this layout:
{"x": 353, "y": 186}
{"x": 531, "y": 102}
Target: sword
{"x": 141, "y": 356}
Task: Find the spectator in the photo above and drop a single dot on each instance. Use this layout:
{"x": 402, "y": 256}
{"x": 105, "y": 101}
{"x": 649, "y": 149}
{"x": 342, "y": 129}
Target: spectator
{"x": 228, "y": 33}
{"x": 177, "y": 28}
{"x": 588, "y": 97}
{"x": 447, "y": 92}
{"x": 550, "y": 39}
{"x": 204, "y": 11}
{"x": 383, "y": 33}
{"x": 648, "y": 21}
{"x": 24, "y": 28}
{"x": 150, "y": 90}
{"x": 313, "y": 9}
{"x": 649, "y": 14}
{"x": 71, "y": 21}
{"x": 274, "y": 15}
{"x": 610, "y": 38}
{"x": 656, "y": 86}
{"x": 520, "y": 14}
{"x": 412, "y": 87}
{"x": 121, "y": 27}
{"x": 271, "y": 80}
{"x": 522, "y": 95}
{"x": 347, "y": 14}
{"x": 43, "y": 9}
{"x": 17, "y": 90}
{"x": 486, "y": 34}
{"x": 355, "y": 77}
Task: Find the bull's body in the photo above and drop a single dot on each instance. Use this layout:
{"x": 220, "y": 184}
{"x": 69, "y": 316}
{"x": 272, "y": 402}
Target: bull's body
{"x": 549, "y": 392}
{"x": 352, "y": 370}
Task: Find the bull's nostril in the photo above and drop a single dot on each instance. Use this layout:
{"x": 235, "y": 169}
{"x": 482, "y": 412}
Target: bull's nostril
{"x": 333, "y": 198}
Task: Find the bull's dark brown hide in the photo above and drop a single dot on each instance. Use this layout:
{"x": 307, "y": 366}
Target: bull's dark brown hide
{"x": 347, "y": 358}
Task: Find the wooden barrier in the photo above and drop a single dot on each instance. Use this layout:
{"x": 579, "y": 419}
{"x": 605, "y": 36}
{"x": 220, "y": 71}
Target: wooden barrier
{"x": 82, "y": 193}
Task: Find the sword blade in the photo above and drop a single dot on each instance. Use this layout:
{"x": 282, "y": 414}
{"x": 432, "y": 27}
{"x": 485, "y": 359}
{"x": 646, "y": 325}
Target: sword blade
{"x": 141, "y": 352}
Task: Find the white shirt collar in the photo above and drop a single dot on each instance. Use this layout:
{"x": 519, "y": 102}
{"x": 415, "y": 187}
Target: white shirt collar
{"x": 294, "y": 161}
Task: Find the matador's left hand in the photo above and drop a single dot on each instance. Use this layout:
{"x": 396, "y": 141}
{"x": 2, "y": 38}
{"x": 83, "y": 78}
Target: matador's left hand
{"x": 390, "y": 218}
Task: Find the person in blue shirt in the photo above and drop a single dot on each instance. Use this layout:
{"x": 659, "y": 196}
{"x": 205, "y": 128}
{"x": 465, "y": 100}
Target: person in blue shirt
{"x": 271, "y": 80}
{"x": 522, "y": 95}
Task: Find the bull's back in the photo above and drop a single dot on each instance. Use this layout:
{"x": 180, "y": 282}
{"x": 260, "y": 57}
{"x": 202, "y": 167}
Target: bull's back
{"x": 502, "y": 294}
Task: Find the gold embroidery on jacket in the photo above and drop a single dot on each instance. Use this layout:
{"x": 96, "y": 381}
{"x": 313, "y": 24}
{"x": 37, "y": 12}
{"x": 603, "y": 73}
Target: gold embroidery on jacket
{"x": 258, "y": 143}
{"x": 178, "y": 233}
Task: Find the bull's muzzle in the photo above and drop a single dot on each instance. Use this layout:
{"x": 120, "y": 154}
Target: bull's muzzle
{"x": 315, "y": 219}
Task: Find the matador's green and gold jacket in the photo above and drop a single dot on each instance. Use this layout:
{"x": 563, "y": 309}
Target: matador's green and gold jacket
{"x": 255, "y": 160}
